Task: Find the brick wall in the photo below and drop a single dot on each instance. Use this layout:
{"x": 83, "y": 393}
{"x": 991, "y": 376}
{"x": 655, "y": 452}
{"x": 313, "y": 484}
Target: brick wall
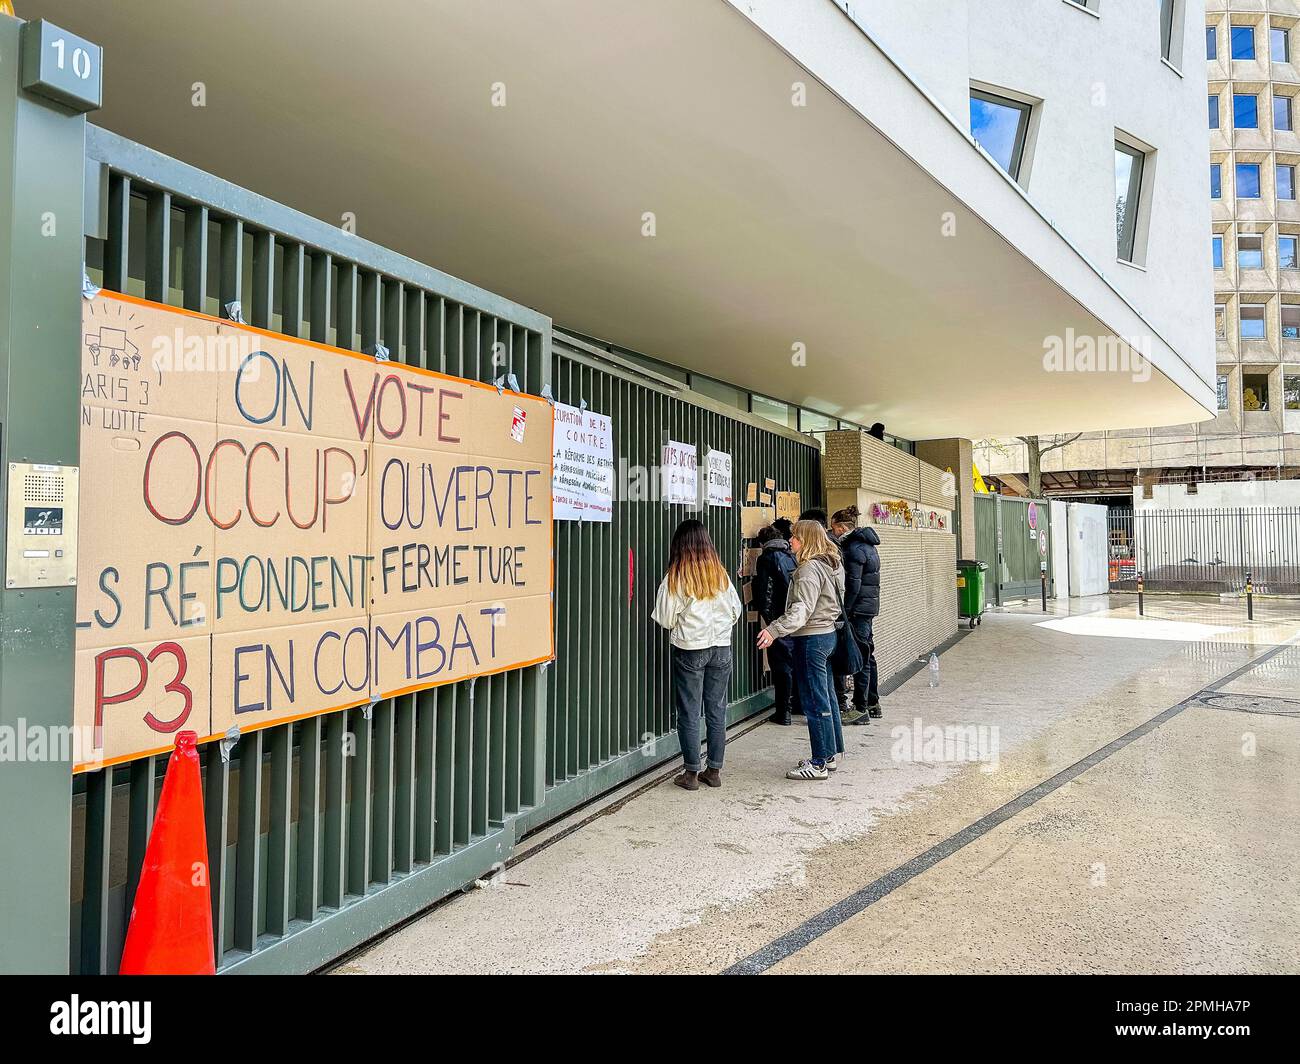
{"x": 956, "y": 455}
{"x": 855, "y": 460}
{"x": 918, "y": 596}
{"x": 918, "y": 569}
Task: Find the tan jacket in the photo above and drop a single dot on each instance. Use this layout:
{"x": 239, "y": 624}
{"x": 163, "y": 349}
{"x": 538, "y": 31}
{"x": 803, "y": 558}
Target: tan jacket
{"x": 813, "y": 605}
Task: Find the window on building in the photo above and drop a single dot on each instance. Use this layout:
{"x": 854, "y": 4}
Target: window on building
{"x": 1282, "y": 112}
{"x": 1291, "y": 391}
{"x": 1216, "y": 245}
{"x": 773, "y": 410}
{"x": 1243, "y": 41}
{"x": 1279, "y": 44}
{"x": 1252, "y": 321}
{"x": 1214, "y": 110}
{"x": 1290, "y": 321}
{"x": 811, "y": 421}
{"x": 722, "y": 392}
{"x": 1220, "y": 321}
{"x": 1128, "y": 192}
{"x": 1245, "y": 110}
{"x": 1254, "y": 391}
{"x": 654, "y": 365}
{"x": 1216, "y": 181}
{"x": 1167, "y": 29}
{"x": 1285, "y": 181}
{"x": 1247, "y": 180}
{"x": 1286, "y": 253}
{"x": 1250, "y": 252}
{"x": 1221, "y": 391}
{"x": 1211, "y": 43}
{"x": 999, "y": 126}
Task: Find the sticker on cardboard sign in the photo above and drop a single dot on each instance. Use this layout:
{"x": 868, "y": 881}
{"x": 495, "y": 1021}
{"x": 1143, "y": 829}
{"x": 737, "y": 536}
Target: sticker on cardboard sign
{"x": 517, "y": 426}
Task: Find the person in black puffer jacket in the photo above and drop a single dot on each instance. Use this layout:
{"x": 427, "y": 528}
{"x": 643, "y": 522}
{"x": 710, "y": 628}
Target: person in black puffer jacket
{"x": 861, "y": 605}
{"x": 772, "y": 572}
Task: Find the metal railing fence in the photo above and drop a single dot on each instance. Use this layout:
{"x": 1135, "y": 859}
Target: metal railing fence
{"x": 313, "y": 849}
{"x": 1206, "y": 550}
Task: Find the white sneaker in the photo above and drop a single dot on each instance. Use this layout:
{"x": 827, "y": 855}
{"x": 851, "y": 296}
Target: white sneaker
{"x": 833, "y": 762}
{"x": 806, "y": 770}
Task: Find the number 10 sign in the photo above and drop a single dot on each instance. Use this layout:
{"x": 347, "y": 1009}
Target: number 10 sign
{"x": 62, "y": 67}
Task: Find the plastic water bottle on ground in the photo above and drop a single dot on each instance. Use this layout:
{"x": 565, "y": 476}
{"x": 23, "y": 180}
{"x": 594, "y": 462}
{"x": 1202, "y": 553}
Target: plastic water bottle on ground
{"x": 934, "y": 670}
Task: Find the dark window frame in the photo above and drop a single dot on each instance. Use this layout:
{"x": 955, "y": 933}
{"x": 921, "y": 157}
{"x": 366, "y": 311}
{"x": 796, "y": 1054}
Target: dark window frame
{"x": 1274, "y": 34}
{"x": 1126, "y": 232}
{"x": 1259, "y": 180}
{"x": 1232, "y": 42}
{"x": 1277, "y": 177}
{"x": 1253, "y": 96}
{"x": 1022, "y": 126}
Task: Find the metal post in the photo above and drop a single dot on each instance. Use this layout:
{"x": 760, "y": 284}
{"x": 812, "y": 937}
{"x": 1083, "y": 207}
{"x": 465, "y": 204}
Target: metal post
{"x": 42, "y": 171}
{"x": 1250, "y": 597}
{"x": 1139, "y": 576}
{"x": 997, "y": 539}
{"x": 1043, "y": 574}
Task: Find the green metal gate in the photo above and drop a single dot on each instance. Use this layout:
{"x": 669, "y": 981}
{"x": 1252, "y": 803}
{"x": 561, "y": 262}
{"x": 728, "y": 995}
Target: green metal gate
{"x": 312, "y": 851}
{"x": 609, "y": 697}
{"x": 1009, "y": 535}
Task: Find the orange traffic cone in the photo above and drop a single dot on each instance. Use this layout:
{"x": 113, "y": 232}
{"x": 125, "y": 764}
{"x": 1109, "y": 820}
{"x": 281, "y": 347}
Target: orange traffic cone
{"x": 171, "y": 921}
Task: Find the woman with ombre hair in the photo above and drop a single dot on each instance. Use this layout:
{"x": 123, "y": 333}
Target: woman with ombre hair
{"x": 699, "y": 606}
{"x": 813, "y": 608}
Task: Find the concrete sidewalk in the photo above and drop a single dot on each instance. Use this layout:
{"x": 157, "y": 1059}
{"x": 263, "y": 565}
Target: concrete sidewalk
{"x": 1176, "y": 851}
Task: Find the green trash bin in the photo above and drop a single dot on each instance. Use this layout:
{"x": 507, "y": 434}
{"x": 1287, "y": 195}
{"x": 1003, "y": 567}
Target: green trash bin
{"x": 970, "y": 590}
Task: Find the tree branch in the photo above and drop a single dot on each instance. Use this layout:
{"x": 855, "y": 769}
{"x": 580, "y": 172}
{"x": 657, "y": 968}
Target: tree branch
{"x": 1045, "y": 447}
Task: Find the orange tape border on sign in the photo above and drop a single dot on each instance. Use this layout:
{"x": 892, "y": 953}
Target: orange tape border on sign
{"x": 90, "y": 766}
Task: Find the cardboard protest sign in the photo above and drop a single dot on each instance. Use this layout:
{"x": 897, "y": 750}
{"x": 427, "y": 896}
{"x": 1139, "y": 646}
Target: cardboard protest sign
{"x": 755, "y": 518}
{"x": 272, "y": 528}
{"x": 788, "y": 505}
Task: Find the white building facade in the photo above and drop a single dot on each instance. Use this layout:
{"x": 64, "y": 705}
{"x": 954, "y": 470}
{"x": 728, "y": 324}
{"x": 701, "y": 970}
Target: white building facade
{"x": 1253, "y": 237}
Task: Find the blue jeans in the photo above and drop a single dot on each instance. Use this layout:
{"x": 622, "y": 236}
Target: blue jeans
{"x": 700, "y": 681}
{"x": 812, "y": 672}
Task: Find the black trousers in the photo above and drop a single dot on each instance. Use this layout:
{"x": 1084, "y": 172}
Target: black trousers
{"x": 780, "y": 659}
{"x": 866, "y": 692}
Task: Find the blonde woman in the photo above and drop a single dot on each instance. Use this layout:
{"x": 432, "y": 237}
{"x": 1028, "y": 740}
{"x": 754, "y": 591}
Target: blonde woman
{"x": 813, "y": 607}
{"x": 699, "y": 606}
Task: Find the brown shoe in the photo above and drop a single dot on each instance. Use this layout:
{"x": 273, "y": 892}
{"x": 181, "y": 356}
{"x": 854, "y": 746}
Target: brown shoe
{"x": 688, "y": 781}
{"x": 711, "y": 776}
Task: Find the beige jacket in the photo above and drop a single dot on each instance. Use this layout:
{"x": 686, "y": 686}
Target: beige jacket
{"x": 813, "y": 604}
{"x": 697, "y": 624}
